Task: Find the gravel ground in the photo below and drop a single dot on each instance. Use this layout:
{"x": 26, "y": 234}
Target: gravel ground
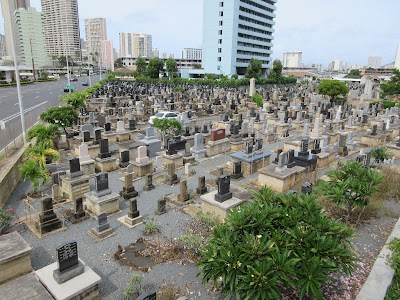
{"x": 99, "y": 255}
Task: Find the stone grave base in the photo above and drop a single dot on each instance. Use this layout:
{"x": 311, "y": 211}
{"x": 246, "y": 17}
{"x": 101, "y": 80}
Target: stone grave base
{"x": 343, "y": 151}
{"x": 112, "y": 137}
{"x": 237, "y": 146}
{"x": 176, "y": 159}
{"x": 68, "y": 274}
{"x": 258, "y": 125}
{"x": 324, "y": 159}
{"x": 175, "y": 199}
{"x": 142, "y": 169}
{"x": 188, "y": 159}
{"x": 332, "y": 137}
{"x": 218, "y": 147}
{"x": 291, "y": 145}
{"x": 352, "y": 146}
{"x": 219, "y": 209}
{"x": 270, "y": 138}
{"x": 93, "y": 151}
{"x": 129, "y": 222}
{"x": 281, "y": 128}
{"x": 189, "y": 140}
{"x": 100, "y": 236}
{"x": 88, "y": 167}
{"x": 395, "y": 150}
{"x": 279, "y": 181}
{"x": 122, "y": 137}
{"x": 74, "y": 188}
{"x": 83, "y": 286}
{"x": 32, "y": 225}
{"x": 105, "y": 204}
{"x": 373, "y": 140}
{"x": 251, "y": 167}
{"x": 15, "y": 256}
{"x": 106, "y": 164}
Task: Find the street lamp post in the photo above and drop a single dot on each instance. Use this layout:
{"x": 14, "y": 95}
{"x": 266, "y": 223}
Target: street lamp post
{"x": 13, "y": 46}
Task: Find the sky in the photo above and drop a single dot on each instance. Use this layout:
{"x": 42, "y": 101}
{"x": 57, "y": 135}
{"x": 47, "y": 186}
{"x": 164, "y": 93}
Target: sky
{"x": 348, "y": 30}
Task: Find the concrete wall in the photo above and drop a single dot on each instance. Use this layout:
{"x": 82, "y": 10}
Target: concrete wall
{"x": 9, "y": 174}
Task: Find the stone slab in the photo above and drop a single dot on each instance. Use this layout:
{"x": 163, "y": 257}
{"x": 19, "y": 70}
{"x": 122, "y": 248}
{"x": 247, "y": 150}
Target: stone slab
{"x": 105, "y": 204}
{"x": 70, "y": 289}
{"x": 12, "y": 246}
{"x": 219, "y": 209}
{"x": 130, "y": 223}
{"x": 251, "y": 158}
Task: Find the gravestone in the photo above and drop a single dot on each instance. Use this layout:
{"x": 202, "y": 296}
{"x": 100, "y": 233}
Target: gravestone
{"x": 237, "y": 170}
{"x": 224, "y": 192}
{"x": 128, "y": 190}
{"x": 75, "y": 168}
{"x": 306, "y": 188}
{"x": 183, "y": 194}
{"x": 107, "y": 127}
{"x": 175, "y": 144}
{"x": 290, "y": 159}
{"x": 48, "y": 220}
{"x": 55, "y": 193}
{"x": 148, "y": 185}
{"x": 201, "y": 185}
{"x": 104, "y": 149}
{"x": 278, "y": 152}
{"x": 124, "y": 159}
{"x": 86, "y": 136}
{"x": 133, "y": 210}
{"x": 102, "y": 185}
{"x": 281, "y": 163}
{"x": 132, "y": 124}
{"x": 172, "y": 177}
{"x": 78, "y": 208}
{"x": 316, "y": 147}
{"x": 217, "y": 134}
{"x": 102, "y": 223}
{"x": 198, "y": 149}
{"x": 97, "y": 136}
{"x": 68, "y": 263}
{"x": 161, "y": 206}
{"x": 374, "y": 130}
{"x": 304, "y": 147}
{"x": 142, "y": 157}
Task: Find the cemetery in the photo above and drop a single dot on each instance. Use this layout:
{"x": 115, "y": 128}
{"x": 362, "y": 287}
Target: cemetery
{"x": 112, "y": 207}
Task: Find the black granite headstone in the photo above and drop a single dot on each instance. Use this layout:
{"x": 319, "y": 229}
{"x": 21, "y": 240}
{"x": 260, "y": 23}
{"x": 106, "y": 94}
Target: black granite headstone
{"x": 102, "y": 181}
{"x": 104, "y": 149}
{"x": 74, "y": 165}
{"x": 124, "y": 159}
{"x": 107, "y": 127}
{"x": 67, "y": 256}
{"x": 224, "y": 192}
{"x": 86, "y": 136}
{"x": 237, "y": 170}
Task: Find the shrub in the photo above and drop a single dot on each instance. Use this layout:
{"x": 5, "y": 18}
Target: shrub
{"x": 6, "y": 216}
{"x": 34, "y": 173}
{"x": 275, "y": 242}
{"x": 134, "y": 288}
{"x": 151, "y": 227}
{"x": 393, "y": 292}
{"x": 380, "y": 154}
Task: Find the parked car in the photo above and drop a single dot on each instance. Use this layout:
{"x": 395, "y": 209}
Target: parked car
{"x": 85, "y": 83}
{"x": 74, "y": 79}
{"x": 163, "y": 115}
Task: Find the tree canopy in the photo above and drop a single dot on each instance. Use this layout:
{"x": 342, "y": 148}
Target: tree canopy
{"x": 258, "y": 99}
{"x": 354, "y": 73}
{"x": 63, "y": 116}
{"x": 141, "y": 66}
{"x": 118, "y": 63}
{"x": 393, "y": 86}
{"x": 333, "y": 88}
{"x": 154, "y": 67}
{"x": 276, "y": 71}
{"x": 171, "y": 66}
{"x": 254, "y": 68}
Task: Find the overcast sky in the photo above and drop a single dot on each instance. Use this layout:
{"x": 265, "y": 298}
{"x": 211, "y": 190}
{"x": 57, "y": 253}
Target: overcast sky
{"x": 349, "y": 30}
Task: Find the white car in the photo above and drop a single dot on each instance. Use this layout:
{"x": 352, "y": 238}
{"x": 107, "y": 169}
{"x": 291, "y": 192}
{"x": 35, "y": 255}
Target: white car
{"x": 163, "y": 115}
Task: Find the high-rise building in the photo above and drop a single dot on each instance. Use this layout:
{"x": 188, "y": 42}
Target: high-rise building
{"x": 155, "y": 52}
{"x": 135, "y": 45}
{"x": 374, "y": 62}
{"x": 29, "y": 28}
{"x": 8, "y": 7}
{"x": 107, "y": 56}
{"x": 61, "y": 28}
{"x": 2, "y": 45}
{"x": 397, "y": 60}
{"x": 336, "y": 65}
{"x": 96, "y": 33}
{"x": 191, "y": 53}
{"x": 292, "y": 59}
{"x": 235, "y": 31}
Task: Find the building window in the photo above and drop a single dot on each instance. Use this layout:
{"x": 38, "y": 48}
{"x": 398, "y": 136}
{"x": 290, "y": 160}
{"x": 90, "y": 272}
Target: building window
{"x": 221, "y": 13}
{"x": 220, "y": 32}
{"x": 220, "y": 41}
{"x": 219, "y": 50}
{"x": 221, "y": 4}
{"x": 218, "y": 58}
{"x": 220, "y": 23}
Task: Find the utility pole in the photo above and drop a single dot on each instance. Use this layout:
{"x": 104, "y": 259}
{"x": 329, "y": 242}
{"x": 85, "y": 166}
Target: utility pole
{"x": 14, "y": 49}
{"x": 33, "y": 61}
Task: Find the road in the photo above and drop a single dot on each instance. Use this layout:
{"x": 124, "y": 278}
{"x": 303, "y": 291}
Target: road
{"x": 36, "y": 98}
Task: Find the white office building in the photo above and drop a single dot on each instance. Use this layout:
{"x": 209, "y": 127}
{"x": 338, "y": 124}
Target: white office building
{"x": 292, "y": 59}
{"x": 155, "y": 52}
{"x": 135, "y": 45}
{"x": 374, "y": 62}
{"x": 235, "y": 31}
{"x": 61, "y": 28}
{"x": 107, "y": 55}
{"x": 29, "y": 28}
{"x": 336, "y": 65}
{"x": 191, "y": 53}
{"x": 397, "y": 60}
{"x": 96, "y": 32}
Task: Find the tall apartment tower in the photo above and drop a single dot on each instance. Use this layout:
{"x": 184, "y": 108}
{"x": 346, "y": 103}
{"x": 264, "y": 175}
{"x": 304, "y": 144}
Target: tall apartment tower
{"x": 2, "y": 45}
{"x": 96, "y": 32}
{"x": 191, "y": 53}
{"x": 397, "y": 59}
{"x": 29, "y": 28}
{"x": 8, "y": 7}
{"x": 155, "y": 52}
{"x": 292, "y": 59}
{"x": 107, "y": 55}
{"x": 374, "y": 62}
{"x": 235, "y": 31}
{"x": 61, "y": 28}
{"x": 135, "y": 45}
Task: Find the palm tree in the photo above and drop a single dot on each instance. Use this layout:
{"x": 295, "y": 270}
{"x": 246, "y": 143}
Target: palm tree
{"x": 40, "y": 154}
{"x": 34, "y": 173}
{"x": 44, "y": 134}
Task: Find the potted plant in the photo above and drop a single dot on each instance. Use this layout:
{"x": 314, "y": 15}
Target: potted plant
{"x": 6, "y": 216}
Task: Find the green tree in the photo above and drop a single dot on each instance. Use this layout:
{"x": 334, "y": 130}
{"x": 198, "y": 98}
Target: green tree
{"x": 392, "y": 88}
{"x": 34, "y": 173}
{"x": 276, "y": 71}
{"x": 333, "y": 88}
{"x": 41, "y": 154}
{"x": 62, "y": 60}
{"x": 235, "y": 76}
{"x": 276, "y": 241}
{"x": 167, "y": 126}
{"x": 211, "y": 76}
{"x": 154, "y": 67}
{"x": 44, "y": 134}
{"x": 63, "y": 116}
{"x": 44, "y": 75}
{"x": 171, "y": 66}
{"x": 77, "y": 99}
{"x": 351, "y": 185}
{"x": 254, "y": 68}
{"x": 197, "y": 66}
{"x": 258, "y": 99}
{"x": 118, "y": 63}
{"x": 141, "y": 66}
{"x": 354, "y": 73}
